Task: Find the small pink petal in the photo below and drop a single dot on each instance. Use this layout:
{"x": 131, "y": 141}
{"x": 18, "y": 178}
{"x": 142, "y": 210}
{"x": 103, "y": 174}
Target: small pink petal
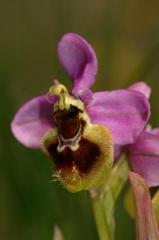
{"x": 141, "y": 87}
{"x": 146, "y": 222}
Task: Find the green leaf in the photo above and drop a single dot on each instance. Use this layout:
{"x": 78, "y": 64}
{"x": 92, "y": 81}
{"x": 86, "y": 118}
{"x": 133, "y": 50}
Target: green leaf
{"x": 129, "y": 203}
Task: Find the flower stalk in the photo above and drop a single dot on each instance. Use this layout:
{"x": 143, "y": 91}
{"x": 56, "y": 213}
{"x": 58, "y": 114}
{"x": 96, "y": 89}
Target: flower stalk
{"x": 104, "y": 199}
{"x": 104, "y": 231}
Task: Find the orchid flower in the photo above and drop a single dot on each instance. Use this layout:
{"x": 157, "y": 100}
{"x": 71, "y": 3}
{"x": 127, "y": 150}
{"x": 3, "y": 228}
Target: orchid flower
{"x": 78, "y": 128}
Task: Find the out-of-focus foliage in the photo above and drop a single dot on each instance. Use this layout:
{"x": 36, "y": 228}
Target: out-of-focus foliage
{"x": 125, "y": 36}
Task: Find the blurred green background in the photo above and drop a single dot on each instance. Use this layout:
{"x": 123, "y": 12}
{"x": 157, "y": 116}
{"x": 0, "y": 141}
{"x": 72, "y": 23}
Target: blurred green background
{"x": 125, "y": 36}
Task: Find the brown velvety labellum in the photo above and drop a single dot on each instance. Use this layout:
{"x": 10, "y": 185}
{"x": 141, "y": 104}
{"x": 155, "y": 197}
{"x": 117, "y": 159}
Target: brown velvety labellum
{"x": 83, "y": 159}
{"x": 67, "y": 121}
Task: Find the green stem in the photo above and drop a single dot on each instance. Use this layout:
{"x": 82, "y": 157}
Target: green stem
{"x": 104, "y": 198}
{"x": 100, "y": 218}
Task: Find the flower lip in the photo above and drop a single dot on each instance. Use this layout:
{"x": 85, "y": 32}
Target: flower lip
{"x": 86, "y": 166}
{"x": 80, "y": 161}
